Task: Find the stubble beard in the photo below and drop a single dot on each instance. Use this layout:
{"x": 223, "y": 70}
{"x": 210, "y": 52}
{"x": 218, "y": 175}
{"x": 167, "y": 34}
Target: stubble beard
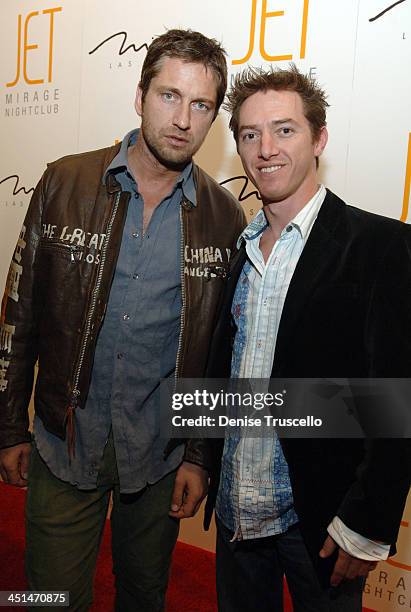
{"x": 165, "y": 155}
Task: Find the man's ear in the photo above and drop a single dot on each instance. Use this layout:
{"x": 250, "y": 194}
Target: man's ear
{"x": 321, "y": 142}
{"x": 138, "y": 104}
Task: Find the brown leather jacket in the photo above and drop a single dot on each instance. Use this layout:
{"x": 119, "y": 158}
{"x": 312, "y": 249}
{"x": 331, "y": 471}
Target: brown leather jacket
{"x": 59, "y": 282}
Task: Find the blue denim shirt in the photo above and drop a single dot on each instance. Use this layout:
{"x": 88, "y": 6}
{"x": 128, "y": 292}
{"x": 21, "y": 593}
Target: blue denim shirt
{"x": 137, "y": 345}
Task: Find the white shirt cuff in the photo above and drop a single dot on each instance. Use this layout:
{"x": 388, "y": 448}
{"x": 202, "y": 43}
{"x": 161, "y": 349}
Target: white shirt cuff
{"x": 355, "y": 544}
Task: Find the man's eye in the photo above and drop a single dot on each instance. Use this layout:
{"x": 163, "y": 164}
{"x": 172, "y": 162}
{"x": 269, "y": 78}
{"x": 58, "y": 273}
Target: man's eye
{"x": 202, "y": 106}
{"x": 248, "y": 136}
{"x": 286, "y": 131}
{"x": 167, "y": 96}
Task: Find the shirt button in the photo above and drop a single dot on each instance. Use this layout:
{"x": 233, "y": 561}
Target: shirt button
{"x": 289, "y": 228}
{"x": 135, "y": 234}
{"x": 126, "y": 317}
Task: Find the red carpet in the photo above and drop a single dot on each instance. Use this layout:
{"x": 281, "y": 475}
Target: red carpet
{"x": 191, "y": 587}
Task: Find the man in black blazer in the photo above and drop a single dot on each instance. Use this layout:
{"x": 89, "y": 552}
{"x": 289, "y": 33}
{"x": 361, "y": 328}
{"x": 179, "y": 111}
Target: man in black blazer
{"x": 317, "y": 289}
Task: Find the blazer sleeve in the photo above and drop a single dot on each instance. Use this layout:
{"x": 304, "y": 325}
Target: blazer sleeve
{"x": 374, "y": 504}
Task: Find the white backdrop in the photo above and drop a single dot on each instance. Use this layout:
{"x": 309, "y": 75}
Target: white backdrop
{"x": 68, "y": 76}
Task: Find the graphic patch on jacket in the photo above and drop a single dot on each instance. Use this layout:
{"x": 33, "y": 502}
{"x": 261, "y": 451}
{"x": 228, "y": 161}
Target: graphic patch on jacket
{"x": 208, "y": 262}
{"x": 90, "y": 243}
{"x": 12, "y": 293}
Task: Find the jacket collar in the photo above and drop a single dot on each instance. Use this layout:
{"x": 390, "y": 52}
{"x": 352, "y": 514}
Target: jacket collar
{"x": 119, "y": 162}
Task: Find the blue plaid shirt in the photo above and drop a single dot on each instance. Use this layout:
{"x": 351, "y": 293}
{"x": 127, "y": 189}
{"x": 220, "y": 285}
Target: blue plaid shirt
{"x": 255, "y": 497}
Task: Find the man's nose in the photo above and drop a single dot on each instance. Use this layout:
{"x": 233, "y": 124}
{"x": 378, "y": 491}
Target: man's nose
{"x": 182, "y": 117}
{"x": 268, "y": 145}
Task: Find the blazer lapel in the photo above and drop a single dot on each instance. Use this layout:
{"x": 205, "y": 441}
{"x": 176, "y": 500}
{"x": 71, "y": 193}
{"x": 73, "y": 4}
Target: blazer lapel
{"x": 316, "y": 262}
{"x": 236, "y": 266}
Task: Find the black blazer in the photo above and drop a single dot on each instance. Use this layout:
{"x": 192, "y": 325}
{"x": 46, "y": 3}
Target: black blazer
{"x": 347, "y": 314}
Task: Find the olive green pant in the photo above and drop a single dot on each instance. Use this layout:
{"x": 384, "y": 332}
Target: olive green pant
{"x": 64, "y": 526}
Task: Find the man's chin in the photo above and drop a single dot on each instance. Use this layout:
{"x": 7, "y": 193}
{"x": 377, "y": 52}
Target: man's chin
{"x": 176, "y": 163}
{"x": 173, "y": 160}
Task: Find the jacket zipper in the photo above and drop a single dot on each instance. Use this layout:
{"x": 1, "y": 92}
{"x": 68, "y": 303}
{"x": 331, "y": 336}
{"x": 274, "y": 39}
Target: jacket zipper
{"x": 183, "y": 297}
{"x": 76, "y": 393}
{"x": 56, "y": 246}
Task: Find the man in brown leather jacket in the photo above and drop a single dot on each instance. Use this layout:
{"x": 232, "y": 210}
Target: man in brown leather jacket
{"x": 114, "y": 284}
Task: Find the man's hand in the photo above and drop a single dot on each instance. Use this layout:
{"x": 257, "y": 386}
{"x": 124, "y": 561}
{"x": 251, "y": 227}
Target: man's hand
{"x": 189, "y": 490}
{"x": 346, "y": 566}
{"x": 14, "y": 464}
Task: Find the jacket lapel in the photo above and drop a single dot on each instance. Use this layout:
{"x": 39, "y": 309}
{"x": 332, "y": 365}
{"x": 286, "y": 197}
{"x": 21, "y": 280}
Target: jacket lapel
{"x": 236, "y": 266}
{"x": 314, "y": 267}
